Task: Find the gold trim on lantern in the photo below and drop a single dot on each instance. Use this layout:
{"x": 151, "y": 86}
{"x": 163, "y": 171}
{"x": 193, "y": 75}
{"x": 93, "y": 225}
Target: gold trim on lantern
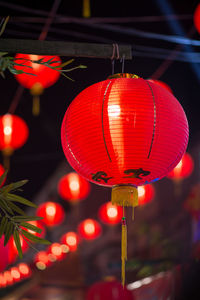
{"x": 123, "y": 75}
{"x": 37, "y": 89}
{"x": 124, "y": 195}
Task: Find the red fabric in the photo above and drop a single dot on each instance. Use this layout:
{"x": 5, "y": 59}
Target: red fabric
{"x": 110, "y": 214}
{"x": 183, "y": 169}
{"x": 52, "y": 213}
{"x": 162, "y": 84}
{"x": 73, "y": 187}
{"x": 147, "y": 196}
{"x": 89, "y": 229}
{"x": 108, "y": 290}
{"x": 44, "y": 75}
{"x": 124, "y": 131}
{"x": 197, "y": 18}
{"x": 18, "y": 134}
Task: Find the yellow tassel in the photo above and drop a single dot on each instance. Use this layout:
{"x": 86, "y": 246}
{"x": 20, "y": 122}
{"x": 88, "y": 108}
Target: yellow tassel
{"x": 86, "y": 9}
{"x": 123, "y": 250}
{"x": 124, "y": 195}
{"x": 36, "y": 106}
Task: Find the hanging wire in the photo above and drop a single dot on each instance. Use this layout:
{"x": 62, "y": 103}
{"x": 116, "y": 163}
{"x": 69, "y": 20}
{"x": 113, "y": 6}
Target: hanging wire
{"x": 122, "y": 62}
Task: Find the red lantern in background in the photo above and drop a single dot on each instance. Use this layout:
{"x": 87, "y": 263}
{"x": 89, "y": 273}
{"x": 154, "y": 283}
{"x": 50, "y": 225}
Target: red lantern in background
{"x": 42, "y": 260}
{"x": 2, "y": 170}
{"x": 72, "y": 187}
{"x": 197, "y": 18}
{"x": 108, "y": 290}
{"x": 162, "y": 84}
{"x": 13, "y": 134}
{"x": 12, "y": 249}
{"x": 24, "y": 270}
{"x": 44, "y": 76}
{"x": 145, "y": 194}
{"x": 110, "y": 213}
{"x": 56, "y": 250}
{"x": 71, "y": 240}
{"x": 51, "y": 212}
{"x": 15, "y": 273}
{"x": 183, "y": 169}
{"x": 124, "y": 132}
{"x": 3, "y": 254}
{"x": 89, "y": 229}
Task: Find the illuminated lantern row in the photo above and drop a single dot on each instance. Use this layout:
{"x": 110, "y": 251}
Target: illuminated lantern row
{"x": 71, "y": 240}
{"x": 72, "y": 187}
{"x": 124, "y": 132}
{"x": 110, "y": 213}
{"x": 162, "y": 84}
{"x": 183, "y": 169}
{"x": 51, "y": 212}
{"x": 197, "y": 18}
{"x": 15, "y": 274}
{"x": 44, "y": 76}
{"x": 108, "y": 290}
{"x": 89, "y": 229}
{"x": 13, "y": 134}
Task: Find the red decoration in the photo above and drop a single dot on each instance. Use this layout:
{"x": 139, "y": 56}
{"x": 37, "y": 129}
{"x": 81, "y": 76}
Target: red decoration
{"x": 52, "y": 213}
{"x": 162, "y": 84}
{"x": 108, "y": 290}
{"x": 4, "y": 254}
{"x": 197, "y": 18}
{"x": 89, "y": 229}
{"x": 2, "y": 170}
{"x": 15, "y": 273}
{"x": 13, "y": 133}
{"x": 24, "y": 270}
{"x": 56, "y": 250}
{"x": 71, "y": 240}
{"x": 124, "y": 131}
{"x": 110, "y": 213}
{"x": 44, "y": 76}
{"x": 42, "y": 260}
{"x": 73, "y": 187}
{"x": 12, "y": 249}
{"x": 145, "y": 194}
{"x": 183, "y": 169}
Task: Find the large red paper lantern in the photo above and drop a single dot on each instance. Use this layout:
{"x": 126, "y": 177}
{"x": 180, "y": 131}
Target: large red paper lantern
{"x": 71, "y": 240}
{"x": 51, "y": 212}
{"x": 89, "y": 229}
{"x": 183, "y": 169}
{"x": 145, "y": 194}
{"x": 72, "y": 187}
{"x": 124, "y": 132}
{"x": 197, "y": 18}
{"x": 108, "y": 290}
{"x": 43, "y": 76}
{"x": 13, "y": 133}
{"x": 162, "y": 84}
{"x": 4, "y": 254}
{"x": 110, "y": 213}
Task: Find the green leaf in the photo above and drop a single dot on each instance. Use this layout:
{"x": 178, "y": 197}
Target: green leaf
{"x": 5, "y": 206}
{"x": 3, "y": 176}
{"x": 4, "y": 25}
{"x": 3, "y": 53}
{"x": 15, "y": 208}
{"x": 17, "y": 242}
{"x": 26, "y": 218}
{"x": 65, "y": 63}
{"x": 16, "y": 198}
{"x": 8, "y": 232}
{"x": 14, "y": 186}
{"x": 31, "y": 227}
{"x": 34, "y": 238}
{"x": 67, "y": 76}
{"x": 4, "y": 222}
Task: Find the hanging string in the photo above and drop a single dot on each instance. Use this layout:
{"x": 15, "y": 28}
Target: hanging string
{"x": 122, "y": 61}
{"x": 123, "y": 248}
{"x": 115, "y": 55}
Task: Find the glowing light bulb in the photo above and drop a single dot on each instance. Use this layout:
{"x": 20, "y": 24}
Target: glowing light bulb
{"x": 89, "y": 228}
{"x": 15, "y": 273}
{"x": 51, "y": 210}
{"x": 112, "y": 212}
{"x": 24, "y": 269}
{"x": 114, "y": 110}
{"x": 74, "y": 185}
{"x": 7, "y": 130}
{"x": 141, "y": 191}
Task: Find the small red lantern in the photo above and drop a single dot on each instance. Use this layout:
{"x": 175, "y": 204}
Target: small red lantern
{"x": 13, "y": 134}
{"x": 2, "y": 281}
{"x": 15, "y": 273}
{"x": 4, "y": 254}
{"x": 110, "y": 213}
{"x": 12, "y": 249}
{"x": 8, "y": 277}
{"x": 42, "y": 260}
{"x": 162, "y": 84}
{"x": 24, "y": 270}
{"x": 183, "y": 169}
{"x": 71, "y": 240}
{"x": 89, "y": 229}
{"x": 124, "y": 132}
{"x": 56, "y": 250}
{"x": 51, "y": 212}
{"x": 44, "y": 76}
{"x": 197, "y": 18}
{"x": 72, "y": 187}
{"x": 108, "y": 290}
{"x": 145, "y": 194}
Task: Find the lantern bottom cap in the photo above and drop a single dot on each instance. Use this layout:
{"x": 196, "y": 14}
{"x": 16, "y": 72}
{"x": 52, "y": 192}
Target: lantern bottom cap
{"x": 124, "y": 195}
{"x": 7, "y": 151}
